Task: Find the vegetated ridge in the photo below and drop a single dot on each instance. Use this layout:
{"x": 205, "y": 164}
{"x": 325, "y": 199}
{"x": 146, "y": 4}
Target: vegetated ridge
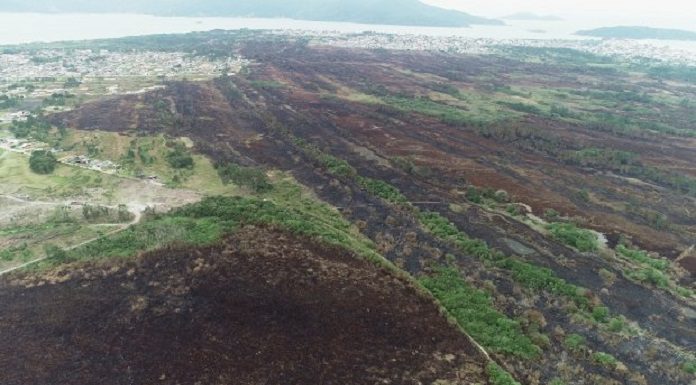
{"x": 639, "y": 32}
{"x": 397, "y": 12}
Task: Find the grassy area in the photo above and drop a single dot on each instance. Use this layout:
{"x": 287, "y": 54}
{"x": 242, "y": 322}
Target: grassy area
{"x": 498, "y": 375}
{"x": 474, "y": 311}
{"x": 27, "y": 242}
{"x": 286, "y": 206}
{"x": 650, "y": 270}
{"x": 65, "y": 181}
{"x": 150, "y": 156}
{"x": 581, "y": 239}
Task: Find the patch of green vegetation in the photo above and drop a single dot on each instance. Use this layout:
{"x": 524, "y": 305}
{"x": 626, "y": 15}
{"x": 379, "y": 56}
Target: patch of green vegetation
{"x": 442, "y": 228}
{"x": 616, "y": 324}
{"x": 266, "y": 84}
{"x": 8, "y": 102}
{"x": 571, "y": 235}
{"x": 522, "y": 107}
{"x": 629, "y": 164}
{"x": 207, "y": 221}
{"x": 600, "y": 157}
{"x": 651, "y": 270}
{"x": 382, "y": 189}
{"x": 144, "y": 154}
{"x": 574, "y": 342}
{"x": 605, "y": 359}
{"x": 150, "y": 235}
{"x": 23, "y": 229}
{"x": 529, "y": 275}
{"x": 541, "y": 278}
{"x": 642, "y": 257}
{"x": 689, "y": 367}
{"x": 556, "y": 381}
{"x": 600, "y": 314}
{"x": 35, "y": 127}
{"x": 42, "y": 162}
{"x": 473, "y": 309}
{"x": 16, "y": 253}
{"x": 651, "y": 276}
{"x": 59, "y": 99}
{"x": 445, "y": 113}
{"x": 251, "y": 177}
{"x": 338, "y": 167}
{"x": 179, "y": 157}
{"x": 498, "y": 375}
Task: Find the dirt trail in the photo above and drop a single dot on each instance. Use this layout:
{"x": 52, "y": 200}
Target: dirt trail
{"x": 135, "y": 209}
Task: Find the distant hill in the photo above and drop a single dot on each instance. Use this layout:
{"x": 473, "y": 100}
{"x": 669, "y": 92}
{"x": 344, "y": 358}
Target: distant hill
{"x": 639, "y": 33}
{"x": 393, "y": 12}
{"x": 532, "y": 16}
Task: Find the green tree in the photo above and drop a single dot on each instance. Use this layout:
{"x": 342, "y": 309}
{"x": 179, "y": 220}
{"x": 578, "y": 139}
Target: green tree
{"x": 42, "y": 162}
{"x": 180, "y": 158}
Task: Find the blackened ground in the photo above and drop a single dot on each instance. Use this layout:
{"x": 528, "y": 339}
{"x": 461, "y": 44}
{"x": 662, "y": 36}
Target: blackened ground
{"x": 264, "y": 307}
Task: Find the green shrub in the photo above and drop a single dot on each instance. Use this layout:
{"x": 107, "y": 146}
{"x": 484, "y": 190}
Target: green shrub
{"x": 574, "y": 342}
{"x": 443, "y": 228}
{"x": 473, "y": 195}
{"x": 551, "y": 214}
{"x": 643, "y": 257}
{"x": 382, "y": 189}
{"x": 605, "y": 359}
{"x": 513, "y": 210}
{"x": 556, "y": 381}
{"x": 55, "y": 252}
{"x": 42, "y": 162}
{"x": 689, "y": 367}
{"x": 568, "y": 233}
{"x": 179, "y": 157}
{"x": 498, "y": 375}
{"x": 336, "y": 166}
{"x": 650, "y": 275}
{"x": 600, "y": 314}
{"x": 616, "y": 325}
{"x": 474, "y": 311}
{"x": 522, "y": 107}
{"x": 251, "y": 177}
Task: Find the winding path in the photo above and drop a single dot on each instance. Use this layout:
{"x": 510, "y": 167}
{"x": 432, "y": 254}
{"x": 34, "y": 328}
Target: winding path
{"x": 136, "y": 211}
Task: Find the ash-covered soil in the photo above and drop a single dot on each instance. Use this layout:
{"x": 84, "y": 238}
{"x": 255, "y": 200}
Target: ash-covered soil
{"x": 263, "y": 307}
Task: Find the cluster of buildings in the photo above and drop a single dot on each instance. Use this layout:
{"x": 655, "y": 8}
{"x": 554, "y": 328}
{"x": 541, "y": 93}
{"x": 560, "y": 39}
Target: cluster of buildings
{"x": 9, "y": 117}
{"x": 625, "y": 48}
{"x": 78, "y": 64}
{"x": 92, "y": 164}
{"x": 27, "y": 146}
{"x": 22, "y": 146}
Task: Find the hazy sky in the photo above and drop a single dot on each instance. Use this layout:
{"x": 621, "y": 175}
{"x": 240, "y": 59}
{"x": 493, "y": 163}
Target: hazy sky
{"x": 662, "y": 13}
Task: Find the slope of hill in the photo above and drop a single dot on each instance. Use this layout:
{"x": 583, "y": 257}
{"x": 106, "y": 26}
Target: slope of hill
{"x": 397, "y": 12}
{"x": 639, "y": 33}
{"x": 264, "y": 306}
{"x": 544, "y": 203}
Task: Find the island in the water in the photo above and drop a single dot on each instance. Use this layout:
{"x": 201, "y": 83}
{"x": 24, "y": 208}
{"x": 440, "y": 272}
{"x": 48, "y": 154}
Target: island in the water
{"x": 634, "y": 32}
{"x": 392, "y": 12}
